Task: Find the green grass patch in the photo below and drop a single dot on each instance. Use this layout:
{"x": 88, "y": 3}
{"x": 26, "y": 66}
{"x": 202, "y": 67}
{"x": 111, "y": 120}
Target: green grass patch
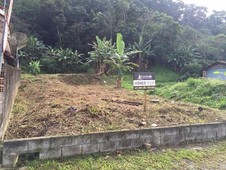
{"x": 165, "y": 159}
{"x": 164, "y": 76}
{"x": 19, "y": 107}
{"x": 207, "y": 92}
{"x": 28, "y": 77}
{"x": 128, "y": 81}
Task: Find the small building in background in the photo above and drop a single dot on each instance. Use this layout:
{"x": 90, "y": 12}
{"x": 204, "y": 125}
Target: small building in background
{"x": 215, "y": 71}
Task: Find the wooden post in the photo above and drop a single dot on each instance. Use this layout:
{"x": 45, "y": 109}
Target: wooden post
{"x": 145, "y": 100}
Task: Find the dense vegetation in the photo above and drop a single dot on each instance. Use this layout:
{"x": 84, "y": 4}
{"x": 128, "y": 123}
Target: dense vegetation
{"x": 166, "y": 32}
{"x": 201, "y": 91}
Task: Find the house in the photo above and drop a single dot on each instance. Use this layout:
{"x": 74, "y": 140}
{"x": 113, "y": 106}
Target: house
{"x": 215, "y": 71}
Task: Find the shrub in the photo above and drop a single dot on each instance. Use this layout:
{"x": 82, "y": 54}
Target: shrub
{"x": 194, "y": 70}
{"x": 49, "y": 65}
{"x": 34, "y": 67}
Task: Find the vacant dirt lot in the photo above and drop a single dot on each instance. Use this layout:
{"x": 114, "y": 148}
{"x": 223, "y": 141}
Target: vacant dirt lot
{"x": 72, "y": 104}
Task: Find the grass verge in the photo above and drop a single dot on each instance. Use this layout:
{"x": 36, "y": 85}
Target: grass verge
{"x": 164, "y": 159}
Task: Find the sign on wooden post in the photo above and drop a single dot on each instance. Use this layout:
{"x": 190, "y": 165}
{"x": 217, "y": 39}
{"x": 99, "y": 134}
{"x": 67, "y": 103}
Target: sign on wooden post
{"x": 144, "y": 81}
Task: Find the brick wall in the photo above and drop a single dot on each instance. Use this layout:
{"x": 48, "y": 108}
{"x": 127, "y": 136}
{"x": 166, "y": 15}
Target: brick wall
{"x": 11, "y": 84}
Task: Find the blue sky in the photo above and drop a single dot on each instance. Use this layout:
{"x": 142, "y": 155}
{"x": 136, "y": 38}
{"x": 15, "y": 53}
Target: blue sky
{"x": 210, "y": 4}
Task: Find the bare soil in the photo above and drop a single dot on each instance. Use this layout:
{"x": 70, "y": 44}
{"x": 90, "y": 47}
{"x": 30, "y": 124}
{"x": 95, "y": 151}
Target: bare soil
{"x": 50, "y": 105}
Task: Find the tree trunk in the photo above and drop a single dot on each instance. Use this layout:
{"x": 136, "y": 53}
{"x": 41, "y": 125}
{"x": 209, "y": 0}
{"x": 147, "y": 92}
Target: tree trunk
{"x": 119, "y": 82}
{"x": 140, "y": 62}
{"x": 100, "y": 64}
{"x": 146, "y": 65}
{"x": 59, "y": 36}
{"x": 98, "y": 69}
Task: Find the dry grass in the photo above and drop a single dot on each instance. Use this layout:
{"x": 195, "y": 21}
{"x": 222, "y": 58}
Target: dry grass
{"x": 72, "y": 104}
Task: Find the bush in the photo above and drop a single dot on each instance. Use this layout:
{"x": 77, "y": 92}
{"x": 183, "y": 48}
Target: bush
{"x": 34, "y": 67}
{"x": 50, "y": 65}
{"x": 194, "y": 70}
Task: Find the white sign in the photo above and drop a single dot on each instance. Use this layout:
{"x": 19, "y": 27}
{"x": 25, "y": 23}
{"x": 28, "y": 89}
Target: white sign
{"x": 143, "y": 83}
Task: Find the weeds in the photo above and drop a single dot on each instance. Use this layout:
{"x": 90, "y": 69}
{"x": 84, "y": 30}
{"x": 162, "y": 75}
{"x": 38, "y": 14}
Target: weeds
{"x": 18, "y": 108}
{"x": 200, "y": 91}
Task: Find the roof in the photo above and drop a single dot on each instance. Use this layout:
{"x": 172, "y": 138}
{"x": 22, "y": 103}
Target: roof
{"x": 216, "y": 63}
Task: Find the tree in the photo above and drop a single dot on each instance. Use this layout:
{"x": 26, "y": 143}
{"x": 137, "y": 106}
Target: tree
{"x": 219, "y": 43}
{"x": 215, "y": 20}
{"x": 159, "y": 24}
{"x": 52, "y": 19}
{"x": 164, "y": 32}
{"x": 120, "y": 61}
{"x": 103, "y": 50}
{"x": 194, "y": 16}
{"x": 145, "y": 50}
{"x": 34, "y": 51}
{"x": 189, "y": 35}
{"x": 182, "y": 56}
{"x": 67, "y": 58}
{"x": 25, "y": 16}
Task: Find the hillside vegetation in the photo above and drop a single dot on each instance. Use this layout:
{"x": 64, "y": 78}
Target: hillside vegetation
{"x": 63, "y": 33}
{"x": 201, "y": 91}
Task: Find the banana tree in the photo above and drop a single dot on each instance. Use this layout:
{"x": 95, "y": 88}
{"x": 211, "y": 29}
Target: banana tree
{"x": 34, "y": 50}
{"x": 145, "y": 50}
{"x": 120, "y": 61}
{"x": 67, "y": 58}
{"x": 182, "y": 56}
{"x": 103, "y": 50}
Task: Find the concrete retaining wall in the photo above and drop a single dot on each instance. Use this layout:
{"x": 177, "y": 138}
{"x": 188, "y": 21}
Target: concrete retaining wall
{"x": 11, "y": 84}
{"x": 57, "y": 147}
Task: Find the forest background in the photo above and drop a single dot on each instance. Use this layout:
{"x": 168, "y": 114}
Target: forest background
{"x": 62, "y": 33}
